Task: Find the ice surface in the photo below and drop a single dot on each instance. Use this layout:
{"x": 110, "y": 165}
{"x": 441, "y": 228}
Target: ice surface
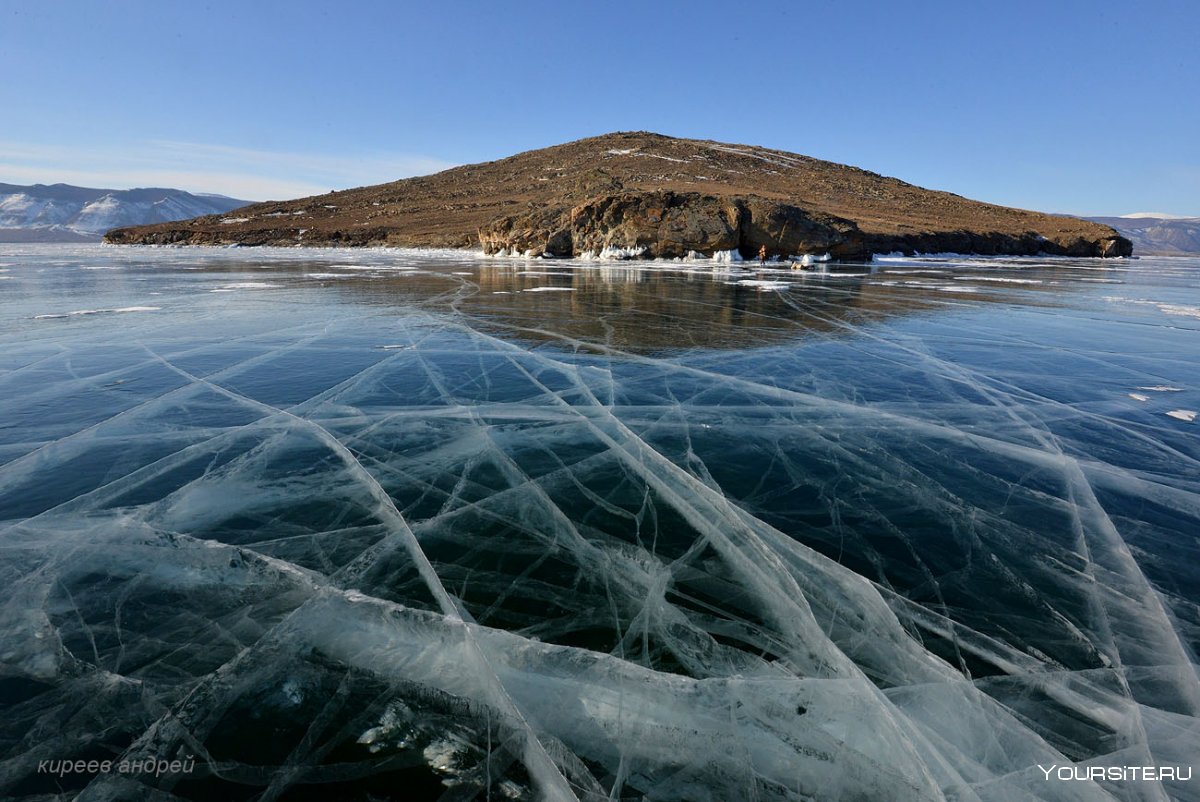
{"x": 763, "y": 284}
{"x": 445, "y": 529}
{"x": 245, "y": 285}
{"x": 97, "y": 312}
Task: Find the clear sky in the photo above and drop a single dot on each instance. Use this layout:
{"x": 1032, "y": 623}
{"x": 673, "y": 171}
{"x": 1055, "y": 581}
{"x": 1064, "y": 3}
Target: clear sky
{"x": 1082, "y": 107}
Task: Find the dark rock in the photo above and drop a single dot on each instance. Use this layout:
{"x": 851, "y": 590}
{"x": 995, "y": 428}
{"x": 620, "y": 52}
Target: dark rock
{"x": 669, "y": 225}
{"x": 666, "y": 224}
{"x": 787, "y": 230}
{"x": 527, "y": 231}
{"x": 1116, "y": 246}
{"x": 995, "y": 243}
{"x": 559, "y": 243}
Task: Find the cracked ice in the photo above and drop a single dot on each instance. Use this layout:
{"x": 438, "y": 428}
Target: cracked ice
{"x": 424, "y": 525}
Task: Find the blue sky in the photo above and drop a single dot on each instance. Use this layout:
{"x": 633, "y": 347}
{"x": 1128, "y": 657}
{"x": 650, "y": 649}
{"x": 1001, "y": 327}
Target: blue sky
{"x": 1082, "y": 107}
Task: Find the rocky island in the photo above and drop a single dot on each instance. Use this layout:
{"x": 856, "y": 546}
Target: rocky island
{"x": 639, "y": 194}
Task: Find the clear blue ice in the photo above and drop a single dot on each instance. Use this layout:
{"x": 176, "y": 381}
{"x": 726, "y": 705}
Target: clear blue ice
{"x": 425, "y": 525}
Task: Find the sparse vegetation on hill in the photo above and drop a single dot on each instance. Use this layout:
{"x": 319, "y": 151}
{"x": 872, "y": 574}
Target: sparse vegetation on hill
{"x": 655, "y": 195}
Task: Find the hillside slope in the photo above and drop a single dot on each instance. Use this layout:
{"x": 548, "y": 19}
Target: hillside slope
{"x": 654, "y": 196}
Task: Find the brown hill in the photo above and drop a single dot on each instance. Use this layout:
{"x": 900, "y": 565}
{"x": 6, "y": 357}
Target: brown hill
{"x": 655, "y": 196}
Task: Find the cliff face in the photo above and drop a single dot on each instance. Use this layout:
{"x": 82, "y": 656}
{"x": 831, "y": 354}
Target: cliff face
{"x": 671, "y": 224}
{"x": 652, "y": 195}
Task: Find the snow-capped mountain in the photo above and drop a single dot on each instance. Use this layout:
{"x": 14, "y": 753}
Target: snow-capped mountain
{"x": 64, "y": 213}
{"x": 1165, "y": 235}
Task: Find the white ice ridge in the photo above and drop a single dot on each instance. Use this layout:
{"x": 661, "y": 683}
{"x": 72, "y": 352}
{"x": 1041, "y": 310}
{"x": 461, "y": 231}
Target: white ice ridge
{"x": 400, "y": 537}
{"x": 784, "y": 729}
{"x": 247, "y": 285}
{"x": 763, "y": 284}
{"x": 780, "y": 728}
{"x": 81, "y": 312}
{"x": 616, "y": 252}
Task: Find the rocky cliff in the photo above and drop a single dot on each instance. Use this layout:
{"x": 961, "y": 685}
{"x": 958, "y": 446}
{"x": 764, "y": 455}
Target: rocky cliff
{"x": 670, "y": 224}
{"x": 649, "y": 195}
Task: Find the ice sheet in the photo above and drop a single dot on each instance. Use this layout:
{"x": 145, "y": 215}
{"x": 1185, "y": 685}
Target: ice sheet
{"x": 665, "y": 531}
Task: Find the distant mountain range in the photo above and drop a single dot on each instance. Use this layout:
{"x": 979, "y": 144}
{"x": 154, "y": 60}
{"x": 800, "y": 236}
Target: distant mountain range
{"x": 64, "y": 213}
{"x": 1154, "y": 235}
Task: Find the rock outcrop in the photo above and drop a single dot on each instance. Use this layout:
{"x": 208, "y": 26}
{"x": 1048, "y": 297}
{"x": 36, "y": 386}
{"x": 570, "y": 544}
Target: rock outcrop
{"x": 655, "y": 195}
{"x": 669, "y": 225}
{"x": 995, "y": 243}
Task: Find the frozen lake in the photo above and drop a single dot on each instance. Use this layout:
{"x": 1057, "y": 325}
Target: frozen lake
{"x": 424, "y": 525}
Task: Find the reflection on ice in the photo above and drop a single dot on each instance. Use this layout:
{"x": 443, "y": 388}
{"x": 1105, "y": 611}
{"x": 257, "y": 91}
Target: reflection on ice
{"x": 444, "y": 532}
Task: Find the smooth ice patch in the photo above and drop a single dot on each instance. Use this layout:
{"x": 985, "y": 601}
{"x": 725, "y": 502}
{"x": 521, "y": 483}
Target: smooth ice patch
{"x": 763, "y": 284}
